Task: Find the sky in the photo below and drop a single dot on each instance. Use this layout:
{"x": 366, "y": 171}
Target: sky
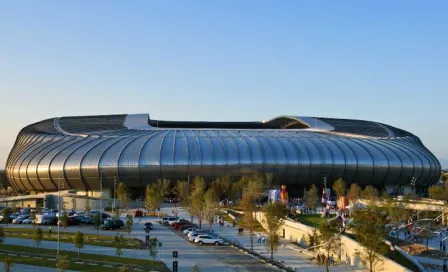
{"x": 385, "y": 61}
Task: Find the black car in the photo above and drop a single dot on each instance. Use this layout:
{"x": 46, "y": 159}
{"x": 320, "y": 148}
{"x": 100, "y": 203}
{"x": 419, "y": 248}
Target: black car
{"x": 148, "y": 225}
{"x": 112, "y": 224}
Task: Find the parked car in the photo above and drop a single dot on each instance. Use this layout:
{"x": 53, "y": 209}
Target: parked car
{"x": 177, "y": 225}
{"x": 19, "y": 219}
{"x": 112, "y": 224}
{"x": 184, "y": 227}
{"x": 208, "y": 239}
{"x": 191, "y": 229}
{"x": 200, "y": 231}
{"x": 172, "y": 220}
{"x": 27, "y": 221}
{"x": 138, "y": 213}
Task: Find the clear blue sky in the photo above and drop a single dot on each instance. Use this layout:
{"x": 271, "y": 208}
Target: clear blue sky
{"x": 384, "y": 61}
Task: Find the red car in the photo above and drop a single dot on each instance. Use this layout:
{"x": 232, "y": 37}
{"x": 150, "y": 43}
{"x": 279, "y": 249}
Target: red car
{"x": 180, "y": 224}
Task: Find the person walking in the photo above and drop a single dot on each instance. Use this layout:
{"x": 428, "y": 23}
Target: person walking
{"x": 49, "y": 230}
{"x": 440, "y": 246}
{"x": 444, "y": 245}
{"x": 259, "y": 238}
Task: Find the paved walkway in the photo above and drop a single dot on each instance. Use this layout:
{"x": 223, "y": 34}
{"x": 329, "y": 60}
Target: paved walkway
{"x": 31, "y": 268}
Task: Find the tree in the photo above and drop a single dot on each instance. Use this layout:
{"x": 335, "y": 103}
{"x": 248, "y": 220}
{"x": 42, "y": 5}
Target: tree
{"x": 312, "y": 197}
{"x": 7, "y": 264}
{"x": 369, "y": 226}
{"x": 2, "y": 235}
{"x": 226, "y": 185}
{"x": 211, "y": 204}
{"x": 124, "y": 269}
{"x": 37, "y": 238}
{"x": 129, "y": 224}
{"x": 274, "y": 214}
{"x": 197, "y": 199}
{"x": 119, "y": 240}
{"x": 370, "y": 194}
{"x": 153, "y": 249}
{"x": 353, "y": 192}
{"x": 162, "y": 186}
{"x": 397, "y": 211}
{"x": 78, "y": 240}
{"x": 88, "y": 208}
{"x": 64, "y": 220}
{"x": 62, "y": 263}
{"x": 117, "y": 214}
{"x": 328, "y": 239}
{"x": 33, "y": 217}
{"x": 339, "y": 187}
{"x": 6, "y": 216}
{"x": 182, "y": 190}
{"x": 122, "y": 195}
{"x": 97, "y": 221}
{"x": 152, "y": 198}
{"x": 438, "y": 192}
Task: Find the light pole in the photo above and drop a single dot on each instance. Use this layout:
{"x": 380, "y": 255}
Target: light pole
{"x": 413, "y": 180}
{"x": 115, "y": 184}
{"x": 101, "y": 195}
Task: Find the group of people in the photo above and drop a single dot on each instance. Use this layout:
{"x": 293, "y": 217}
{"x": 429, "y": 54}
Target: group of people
{"x": 322, "y": 259}
{"x": 260, "y": 238}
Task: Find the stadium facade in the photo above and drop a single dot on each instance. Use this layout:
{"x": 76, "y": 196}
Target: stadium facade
{"x": 84, "y": 152}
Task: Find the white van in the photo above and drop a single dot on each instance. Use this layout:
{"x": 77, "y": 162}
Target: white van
{"x": 44, "y": 219}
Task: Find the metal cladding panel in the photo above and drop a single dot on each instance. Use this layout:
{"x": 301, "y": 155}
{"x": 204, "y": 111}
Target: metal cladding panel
{"x": 194, "y": 150}
{"x": 109, "y": 162}
{"x": 149, "y": 162}
{"x": 417, "y": 163}
{"x": 427, "y": 160}
{"x": 206, "y": 151}
{"x": 43, "y": 169}
{"x": 181, "y": 150}
{"x": 304, "y": 160}
{"x": 268, "y": 155}
{"x": 218, "y": 150}
{"x": 315, "y": 173}
{"x": 326, "y": 157}
{"x": 34, "y": 162}
{"x": 129, "y": 158}
{"x": 350, "y": 160}
{"x": 231, "y": 151}
{"x": 406, "y": 161}
{"x": 60, "y": 159}
{"x": 394, "y": 162}
{"x": 90, "y": 171}
{"x": 256, "y": 154}
{"x": 167, "y": 154}
{"x": 337, "y": 156}
{"x": 380, "y": 161}
{"x": 280, "y": 156}
{"x": 245, "y": 160}
{"x": 73, "y": 164}
{"x": 365, "y": 162}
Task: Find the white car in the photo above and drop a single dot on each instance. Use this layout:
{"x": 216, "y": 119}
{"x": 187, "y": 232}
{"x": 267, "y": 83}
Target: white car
{"x": 186, "y": 231}
{"x": 27, "y": 221}
{"x": 208, "y": 239}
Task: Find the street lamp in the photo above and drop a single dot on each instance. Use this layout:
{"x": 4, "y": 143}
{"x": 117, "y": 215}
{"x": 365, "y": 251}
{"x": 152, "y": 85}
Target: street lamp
{"x": 115, "y": 184}
{"x": 413, "y": 181}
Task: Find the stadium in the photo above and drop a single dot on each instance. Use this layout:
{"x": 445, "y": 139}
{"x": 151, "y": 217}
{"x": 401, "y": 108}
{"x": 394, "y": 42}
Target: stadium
{"x": 92, "y": 152}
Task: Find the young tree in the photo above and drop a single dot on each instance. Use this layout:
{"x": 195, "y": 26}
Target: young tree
{"x": 353, "y": 192}
{"x": 2, "y": 235}
{"x": 249, "y": 222}
{"x": 64, "y": 221}
{"x": 211, "y": 204}
{"x": 88, "y": 208}
{"x": 117, "y": 214}
{"x": 37, "y": 238}
{"x": 97, "y": 221}
{"x": 312, "y": 197}
{"x": 6, "y": 216}
{"x": 438, "y": 193}
{"x": 124, "y": 269}
{"x": 33, "y": 217}
{"x": 182, "y": 190}
{"x": 62, "y": 263}
{"x": 369, "y": 226}
{"x": 328, "y": 239}
{"x": 197, "y": 199}
{"x": 274, "y": 214}
{"x": 7, "y": 264}
{"x": 78, "y": 240}
{"x": 119, "y": 240}
{"x": 152, "y": 199}
{"x": 370, "y": 194}
{"x": 129, "y": 224}
{"x": 339, "y": 187}
{"x": 226, "y": 185}
{"x": 123, "y": 194}
{"x": 162, "y": 186}
{"x": 153, "y": 250}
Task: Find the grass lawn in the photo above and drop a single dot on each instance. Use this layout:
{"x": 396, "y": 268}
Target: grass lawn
{"x": 89, "y": 239}
{"x": 313, "y": 220}
{"x": 73, "y": 256}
